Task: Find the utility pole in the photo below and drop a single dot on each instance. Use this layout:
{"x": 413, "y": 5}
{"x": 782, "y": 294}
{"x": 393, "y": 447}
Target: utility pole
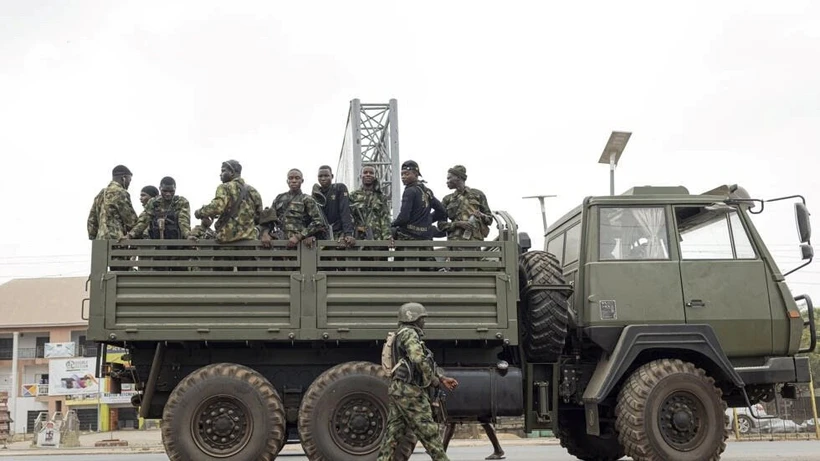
{"x": 543, "y": 209}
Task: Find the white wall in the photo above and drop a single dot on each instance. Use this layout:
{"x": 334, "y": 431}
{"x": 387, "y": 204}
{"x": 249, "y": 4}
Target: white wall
{"x": 24, "y": 405}
{"x": 29, "y": 340}
{"x": 5, "y": 379}
{"x": 30, "y": 372}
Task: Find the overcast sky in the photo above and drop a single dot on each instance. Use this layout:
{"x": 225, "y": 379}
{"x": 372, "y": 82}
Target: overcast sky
{"x": 524, "y": 95}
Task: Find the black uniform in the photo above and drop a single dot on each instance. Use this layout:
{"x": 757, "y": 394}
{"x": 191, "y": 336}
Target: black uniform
{"x": 415, "y": 220}
{"x": 337, "y": 210}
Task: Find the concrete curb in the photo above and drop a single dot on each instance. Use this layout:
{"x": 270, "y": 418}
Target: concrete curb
{"x": 292, "y": 447}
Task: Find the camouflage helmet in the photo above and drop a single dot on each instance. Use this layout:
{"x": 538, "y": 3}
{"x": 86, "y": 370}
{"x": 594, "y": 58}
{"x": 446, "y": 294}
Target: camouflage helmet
{"x": 410, "y": 312}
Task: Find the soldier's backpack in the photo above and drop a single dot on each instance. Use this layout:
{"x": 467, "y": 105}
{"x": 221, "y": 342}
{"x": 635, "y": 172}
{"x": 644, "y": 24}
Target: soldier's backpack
{"x": 389, "y": 362}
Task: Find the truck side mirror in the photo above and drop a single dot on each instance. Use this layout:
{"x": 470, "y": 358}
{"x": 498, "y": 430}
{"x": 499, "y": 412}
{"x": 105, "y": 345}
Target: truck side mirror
{"x": 807, "y": 251}
{"x": 801, "y": 214}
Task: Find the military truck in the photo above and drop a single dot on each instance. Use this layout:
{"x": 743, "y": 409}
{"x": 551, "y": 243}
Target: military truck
{"x": 647, "y": 314}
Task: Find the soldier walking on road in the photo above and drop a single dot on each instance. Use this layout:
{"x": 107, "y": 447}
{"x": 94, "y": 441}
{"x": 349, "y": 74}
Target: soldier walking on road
{"x": 296, "y": 213}
{"x": 413, "y": 377}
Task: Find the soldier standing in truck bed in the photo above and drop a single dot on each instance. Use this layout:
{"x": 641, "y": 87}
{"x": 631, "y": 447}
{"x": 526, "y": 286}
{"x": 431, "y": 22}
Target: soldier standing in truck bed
{"x": 419, "y": 208}
{"x": 369, "y": 208}
{"x": 296, "y": 213}
{"x": 112, "y": 215}
{"x": 336, "y": 207}
{"x": 166, "y": 217}
{"x": 237, "y": 207}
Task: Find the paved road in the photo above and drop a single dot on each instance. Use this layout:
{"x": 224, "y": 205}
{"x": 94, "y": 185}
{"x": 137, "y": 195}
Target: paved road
{"x": 736, "y": 451}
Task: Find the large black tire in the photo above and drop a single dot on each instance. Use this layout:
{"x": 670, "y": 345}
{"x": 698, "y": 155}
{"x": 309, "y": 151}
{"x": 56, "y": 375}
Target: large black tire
{"x": 224, "y": 412}
{"x": 573, "y": 436}
{"x": 343, "y": 415}
{"x": 543, "y": 314}
{"x": 670, "y": 409}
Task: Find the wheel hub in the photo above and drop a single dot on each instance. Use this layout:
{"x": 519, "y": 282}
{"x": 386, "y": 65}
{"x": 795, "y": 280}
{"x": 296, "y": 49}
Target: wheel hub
{"x": 223, "y": 426}
{"x": 681, "y": 421}
{"x": 358, "y": 423}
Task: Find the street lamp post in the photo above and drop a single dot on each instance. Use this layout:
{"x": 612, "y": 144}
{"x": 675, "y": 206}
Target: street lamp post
{"x": 543, "y": 209}
{"x": 612, "y": 154}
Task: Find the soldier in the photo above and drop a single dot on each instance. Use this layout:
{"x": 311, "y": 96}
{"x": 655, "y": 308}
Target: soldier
{"x": 369, "y": 208}
{"x": 336, "y": 207}
{"x": 238, "y": 207}
{"x": 467, "y": 209}
{"x": 112, "y": 215}
{"x": 147, "y": 193}
{"x": 296, "y": 213}
{"x": 167, "y": 217}
{"x": 419, "y": 207}
{"x": 415, "y": 375}
{"x": 468, "y": 212}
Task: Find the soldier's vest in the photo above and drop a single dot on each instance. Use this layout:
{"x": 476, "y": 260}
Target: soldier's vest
{"x": 165, "y": 224}
{"x": 404, "y": 369}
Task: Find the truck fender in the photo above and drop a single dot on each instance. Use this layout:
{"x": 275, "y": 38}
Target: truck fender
{"x": 635, "y": 339}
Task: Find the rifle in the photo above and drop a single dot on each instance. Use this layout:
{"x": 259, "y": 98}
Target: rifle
{"x": 321, "y": 201}
{"x": 223, "y": 219}
{"x": 161, "y": 225}
{"x": 368, "y": 229}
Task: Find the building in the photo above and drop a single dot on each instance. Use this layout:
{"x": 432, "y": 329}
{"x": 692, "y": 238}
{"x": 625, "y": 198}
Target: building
{"x": 46, "y": 364}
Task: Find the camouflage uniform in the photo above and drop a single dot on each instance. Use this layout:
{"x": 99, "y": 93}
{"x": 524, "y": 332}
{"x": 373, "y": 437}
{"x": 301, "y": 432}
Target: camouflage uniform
{"x": 298, "y": 215}
{"x": 369, "y": 208}
{"x": 156, "y": 207}
{"x": 239, "y": 227}
{"x": 460, "y": 206}
{"x": 410, "y": 401}
{"x": 204, "y": 233}
{"x": 112, "y": 214}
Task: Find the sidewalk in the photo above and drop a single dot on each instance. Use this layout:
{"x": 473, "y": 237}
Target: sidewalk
{"x": 150, "y": 441}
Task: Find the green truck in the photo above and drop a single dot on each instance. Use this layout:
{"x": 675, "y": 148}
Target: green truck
{"x": 647, "y": 314}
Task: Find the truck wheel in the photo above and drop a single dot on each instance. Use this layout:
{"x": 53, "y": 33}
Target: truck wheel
{"x": 573, "y": 436}
{"x": 670, "y": 409}
{"x": 225, "y": 412}
{"x": 343, "y": 415}
{"x": 544, "y": 314}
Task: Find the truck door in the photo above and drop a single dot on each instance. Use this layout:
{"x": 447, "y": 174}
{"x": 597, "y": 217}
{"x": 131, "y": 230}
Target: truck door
{"x": 634, "y": 278}
{"x": 723, "y": 279}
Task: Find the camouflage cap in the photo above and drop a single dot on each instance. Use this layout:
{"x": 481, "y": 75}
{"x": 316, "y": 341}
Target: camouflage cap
{"x": 233, "y": 165}
{"x": 459, "y": 171}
